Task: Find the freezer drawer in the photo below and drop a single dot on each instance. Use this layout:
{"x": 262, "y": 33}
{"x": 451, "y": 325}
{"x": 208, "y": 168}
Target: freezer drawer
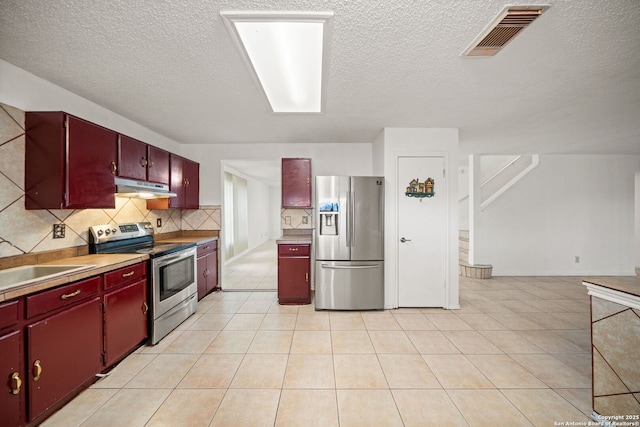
{"x": 349, "y": 285}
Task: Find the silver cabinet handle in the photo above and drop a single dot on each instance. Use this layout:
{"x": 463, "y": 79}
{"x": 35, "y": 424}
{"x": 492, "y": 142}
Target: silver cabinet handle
{"x": 405, "y": 240}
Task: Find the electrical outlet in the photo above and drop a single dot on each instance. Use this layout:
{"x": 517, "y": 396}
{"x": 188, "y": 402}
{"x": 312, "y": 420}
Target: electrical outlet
{"x": 58, "y": 231}
{"x": 577, "y": 259}
{"x": 159, "y": 222}
{"x": 287, "y": 220}
{"x": 305, "y": 219}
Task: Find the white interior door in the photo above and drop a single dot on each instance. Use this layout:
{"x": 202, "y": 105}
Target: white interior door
{"x": 421, "y": 234}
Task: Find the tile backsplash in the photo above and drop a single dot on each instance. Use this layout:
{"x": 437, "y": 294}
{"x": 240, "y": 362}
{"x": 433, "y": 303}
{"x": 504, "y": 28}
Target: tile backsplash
{"x": 27, "y": 231}
{"x": 296, "y": 219}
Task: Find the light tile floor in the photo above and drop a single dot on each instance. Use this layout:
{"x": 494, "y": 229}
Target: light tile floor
{"x": 517, "y": 353}
{"x": 257, "y": 269}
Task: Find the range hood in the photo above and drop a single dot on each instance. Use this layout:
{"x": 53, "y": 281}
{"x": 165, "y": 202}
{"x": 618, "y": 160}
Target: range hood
{"x": 141, "y": 189}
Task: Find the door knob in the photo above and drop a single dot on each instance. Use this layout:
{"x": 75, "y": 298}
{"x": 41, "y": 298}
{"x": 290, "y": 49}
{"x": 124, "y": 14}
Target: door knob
{"x": 405, "y": 240}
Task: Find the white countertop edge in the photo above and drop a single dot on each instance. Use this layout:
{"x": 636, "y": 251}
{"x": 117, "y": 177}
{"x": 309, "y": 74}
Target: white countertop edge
{"x": 611, "y": 295}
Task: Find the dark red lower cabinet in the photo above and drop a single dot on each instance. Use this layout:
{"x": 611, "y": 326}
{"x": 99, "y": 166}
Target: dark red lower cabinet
{"x": 294, "y": 269}
{"x": 63, "y": 352}
{"x": 12, "y": 388}
{"x": 125, "y": 320}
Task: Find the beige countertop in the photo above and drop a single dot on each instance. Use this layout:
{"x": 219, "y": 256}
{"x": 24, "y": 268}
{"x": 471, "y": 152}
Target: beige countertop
{"x": 627, "y": 284}
{"x": 98, "y": 264}
{"x": 296, "y": 239}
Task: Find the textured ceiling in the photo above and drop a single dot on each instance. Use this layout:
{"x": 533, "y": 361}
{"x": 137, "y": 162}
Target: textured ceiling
{"x": 569, "y": 83}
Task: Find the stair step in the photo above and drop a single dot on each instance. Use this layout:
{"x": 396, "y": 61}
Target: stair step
{"x": 463, "y": 234}
{"x": 477, "y": 271}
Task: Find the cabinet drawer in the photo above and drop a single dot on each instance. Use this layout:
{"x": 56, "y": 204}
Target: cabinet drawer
{"x": 8, "y": 314}
{"x": 294, "y": 250}
{"x": 207, "y": 248}
{"x": 64, "y": 295}
{"x": 130, "y": 274}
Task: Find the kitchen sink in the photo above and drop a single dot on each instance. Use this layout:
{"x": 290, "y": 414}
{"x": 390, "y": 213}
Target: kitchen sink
{"x": 19, "y": 276}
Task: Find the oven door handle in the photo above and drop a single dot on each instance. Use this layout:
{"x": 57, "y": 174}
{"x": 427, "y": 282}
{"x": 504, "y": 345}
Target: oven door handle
{"x": 168, "y": 259}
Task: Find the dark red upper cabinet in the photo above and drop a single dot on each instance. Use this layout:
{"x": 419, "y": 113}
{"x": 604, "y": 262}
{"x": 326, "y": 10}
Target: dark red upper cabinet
{"x": 191, "y": 172}
{"x": 140, "y": 161}
{"x": 157, "y": 165}
{"x": 296, "y": 183}
{"x": 185, "y": 182}
{"x": 132, "y": 158}
{"x": 177, "y": 182}
{"x": 69, "y": 163}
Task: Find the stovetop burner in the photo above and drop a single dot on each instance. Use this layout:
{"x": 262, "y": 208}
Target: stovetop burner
{"x": 130, "y": 238}
{"x": 159, "y": 249}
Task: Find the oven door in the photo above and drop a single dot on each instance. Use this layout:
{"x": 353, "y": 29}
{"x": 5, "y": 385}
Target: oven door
{"x": 174, "y": 280}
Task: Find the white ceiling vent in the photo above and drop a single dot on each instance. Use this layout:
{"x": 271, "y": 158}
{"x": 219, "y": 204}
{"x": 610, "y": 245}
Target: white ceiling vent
{"x": 509, "y": 23}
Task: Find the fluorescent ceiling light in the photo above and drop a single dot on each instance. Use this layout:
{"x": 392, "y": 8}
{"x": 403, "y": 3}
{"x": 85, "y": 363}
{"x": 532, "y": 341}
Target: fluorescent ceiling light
{"x": 287, "y": 53}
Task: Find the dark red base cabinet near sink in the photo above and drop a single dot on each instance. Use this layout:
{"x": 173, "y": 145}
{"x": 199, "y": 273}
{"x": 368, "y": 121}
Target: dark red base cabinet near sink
{"x": 54, "y": 342}
{"x": 12, "y": 397}
{"x": 64, "y": 351}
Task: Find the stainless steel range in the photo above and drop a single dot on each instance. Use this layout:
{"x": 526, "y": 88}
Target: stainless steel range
{"x": 173, "y": 289}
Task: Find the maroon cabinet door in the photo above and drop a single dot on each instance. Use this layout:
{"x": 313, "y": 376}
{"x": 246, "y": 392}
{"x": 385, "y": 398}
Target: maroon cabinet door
{"x": 202, "y": 277}
{"x": 63, "y": 352}
{"x": 91, "y": 157}
{"x": 157, "y": 165}
{"x": 207, "y": 268}
{"x": 132, "y": 158}
{"x": 212, "y": 276}
{"x": 44, "y": 162}
{"x": 191, "y": 173}
{"x": 125, "y": 320}
{"x": 177, "y": 182}
{"x": 296, "y": 183}
{"x": 185, "y": 182}
{"x": 12, "y": 387}
{"x": 293, "y": 279}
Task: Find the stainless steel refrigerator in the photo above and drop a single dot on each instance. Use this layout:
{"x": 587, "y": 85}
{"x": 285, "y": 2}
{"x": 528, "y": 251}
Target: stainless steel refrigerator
{"x": 349, "y": 243}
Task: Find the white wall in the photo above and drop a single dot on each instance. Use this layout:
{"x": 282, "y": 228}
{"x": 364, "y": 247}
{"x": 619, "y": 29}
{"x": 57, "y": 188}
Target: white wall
{"x": 570, "y": 205}
{"x": 28, "y": 92}
{"x": 463, "y": 197}
{"x": 420, "y": 142}
{"x": 275, "y": 200}
{"x": 377, "y": 151}
{"x": 326, "y": 159}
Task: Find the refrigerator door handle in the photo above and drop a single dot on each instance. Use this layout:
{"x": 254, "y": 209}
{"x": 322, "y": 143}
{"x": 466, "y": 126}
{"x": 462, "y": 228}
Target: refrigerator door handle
{"x": 349, "y": 267}
{"x": 349, "y": 219}
{"x": 352, "y": 215}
